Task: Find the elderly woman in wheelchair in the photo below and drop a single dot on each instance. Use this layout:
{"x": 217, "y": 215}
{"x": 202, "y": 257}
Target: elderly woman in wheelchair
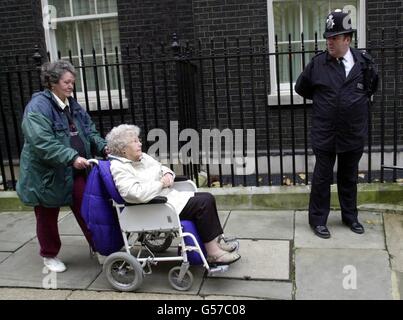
{"x": 139, "y": 178}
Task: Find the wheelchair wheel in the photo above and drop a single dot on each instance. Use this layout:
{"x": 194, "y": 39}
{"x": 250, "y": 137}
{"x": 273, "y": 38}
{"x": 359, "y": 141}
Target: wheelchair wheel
{"x": 157, "y": 241}
{"x": 123, "y": 271}
{"x": 183, "y": 285}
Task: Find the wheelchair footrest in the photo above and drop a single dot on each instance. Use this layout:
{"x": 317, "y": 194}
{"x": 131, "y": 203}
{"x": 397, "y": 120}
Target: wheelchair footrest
{"x": 218, "y": 269}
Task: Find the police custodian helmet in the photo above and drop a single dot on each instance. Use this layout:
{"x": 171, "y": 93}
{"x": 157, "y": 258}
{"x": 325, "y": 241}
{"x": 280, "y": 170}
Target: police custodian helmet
{"x": 338, "y": 22}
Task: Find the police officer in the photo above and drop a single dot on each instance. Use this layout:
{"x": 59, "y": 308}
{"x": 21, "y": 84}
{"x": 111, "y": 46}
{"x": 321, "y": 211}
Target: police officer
{"x": 340, "y": 81}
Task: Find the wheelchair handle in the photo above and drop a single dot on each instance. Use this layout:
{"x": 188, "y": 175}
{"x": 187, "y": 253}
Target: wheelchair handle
{"x": 93, "y": 161}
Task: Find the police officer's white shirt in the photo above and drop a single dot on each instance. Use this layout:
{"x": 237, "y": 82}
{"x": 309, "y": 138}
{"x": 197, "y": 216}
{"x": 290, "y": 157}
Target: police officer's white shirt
{"x": 348, "y": 61}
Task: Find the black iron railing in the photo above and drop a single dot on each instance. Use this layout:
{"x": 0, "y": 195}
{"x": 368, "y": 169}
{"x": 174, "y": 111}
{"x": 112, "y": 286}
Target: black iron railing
{"x": 233, "y": 86}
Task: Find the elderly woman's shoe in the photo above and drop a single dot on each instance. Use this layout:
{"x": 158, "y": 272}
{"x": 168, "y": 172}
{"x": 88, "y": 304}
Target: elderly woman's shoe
{"x": 229, "y": 246}
{"x": 224, "y": 259}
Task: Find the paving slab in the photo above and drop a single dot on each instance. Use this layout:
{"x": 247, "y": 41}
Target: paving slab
{"x": 261, "y": 260}
{"x": 4, "y": 256}
{"x": 342, "y": 274}
{"x": 261, "y": 224}
{"x": 247, "y": 288}
{"x": 69, "y": 226}
{"x": 33, "y": 294}
{"x": 399, "y": 277}
{"x": 341, "y": 235}
{"x": 17, "y": 228}
{"x": 218, "y": 297}
{"x": 394, "y": 239}
{"x": 157, "y": 282}
{"x": 24, "y": 268}
{"x": 112, "y": 295}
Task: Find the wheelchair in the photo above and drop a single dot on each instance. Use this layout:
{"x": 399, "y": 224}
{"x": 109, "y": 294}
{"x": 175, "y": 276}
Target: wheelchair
{"x": 149, "y": 229}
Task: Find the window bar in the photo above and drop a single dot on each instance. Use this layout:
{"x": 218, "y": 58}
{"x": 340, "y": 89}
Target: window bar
{"x": 213, "y": 67}
{"x": 193, "y": 104}
{"x": 226, "y": 67}
{"x": 369, "y": 173}
{"x": 108, "y": 87}
{"x": 29, "y": 76}
{"x": 20, "y": 85}
{"x": 305, "y": 115}
{"x": 395, "y": 113}
{"x": 118, "y": 65}
{"x": 84, "y": 79}
{"x": 238, "y": 50}
{"x": 129, "y": 75}
{"x": 252, "y": 81}
{"x": 154, "y": 94}
{"x": 94, "y": 66}
{"x": 280, "y": 126}
{"x": 188, "y": 92}
{"x": 179, "y": 76}
{"x": 165, "y": 81}
{"x": 7, "y": 141}
{"x": 382, "y": 104}
{"x": 266, "y": 108}
{"x": 292, "y": 112}
{"x": 13, "y": 114}
{"x": 203, "y": 103}
{"x": 77, "y": 68}
{"x": 143, "y": 98}
{"x": 3, "y": 172}
{"x": 187, "y": 75}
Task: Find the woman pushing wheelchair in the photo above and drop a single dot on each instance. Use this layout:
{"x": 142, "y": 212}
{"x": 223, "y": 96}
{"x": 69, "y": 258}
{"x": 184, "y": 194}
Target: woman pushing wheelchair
{"x": 139, "y": 178}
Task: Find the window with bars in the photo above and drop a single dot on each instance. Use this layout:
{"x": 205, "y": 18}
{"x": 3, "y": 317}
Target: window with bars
{"x": 293, "y": 17}
{"x": 76, "y": 25}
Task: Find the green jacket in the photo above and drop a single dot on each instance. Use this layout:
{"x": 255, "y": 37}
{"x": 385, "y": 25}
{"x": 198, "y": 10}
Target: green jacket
{"x": 46, "y": 171}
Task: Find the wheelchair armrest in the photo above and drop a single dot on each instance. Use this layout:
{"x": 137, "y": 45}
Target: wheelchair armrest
{"x": 158, "y": 199}
{"x": 181, "y": 178}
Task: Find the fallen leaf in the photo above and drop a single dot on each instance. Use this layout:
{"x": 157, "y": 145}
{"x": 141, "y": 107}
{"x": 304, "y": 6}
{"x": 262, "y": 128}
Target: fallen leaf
{"x": 215, "y": 184}
{"x": 287, "y": 181}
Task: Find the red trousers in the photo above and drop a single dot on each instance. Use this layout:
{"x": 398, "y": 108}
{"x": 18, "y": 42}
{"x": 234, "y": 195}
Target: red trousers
{"x": 46, "y": 222}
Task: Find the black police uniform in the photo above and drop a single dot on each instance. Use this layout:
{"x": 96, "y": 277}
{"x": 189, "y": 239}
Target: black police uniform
{"x": 339, "y": 128}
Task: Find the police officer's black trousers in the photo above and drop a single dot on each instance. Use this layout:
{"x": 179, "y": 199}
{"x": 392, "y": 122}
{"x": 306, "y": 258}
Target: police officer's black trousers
{"x": 347, "y": 177}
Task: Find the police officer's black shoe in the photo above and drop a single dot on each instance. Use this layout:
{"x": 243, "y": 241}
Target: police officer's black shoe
{"x": 355, "y": 227}
{"x": 321, "y": 231}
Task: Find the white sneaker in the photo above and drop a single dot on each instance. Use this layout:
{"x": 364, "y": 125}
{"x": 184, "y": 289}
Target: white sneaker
{"x": 54, "y": 264}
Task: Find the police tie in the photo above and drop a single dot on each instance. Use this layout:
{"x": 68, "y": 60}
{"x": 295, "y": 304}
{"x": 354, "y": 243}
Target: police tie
{"x": 342, "y": 66}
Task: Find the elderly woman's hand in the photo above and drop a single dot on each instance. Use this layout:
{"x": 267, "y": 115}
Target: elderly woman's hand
{"x": 81, "y": 163}
{"x": 167, "y": 180}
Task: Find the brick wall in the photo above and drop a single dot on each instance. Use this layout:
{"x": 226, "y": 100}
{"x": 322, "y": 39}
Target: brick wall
{"x": 21, "y": 27}
{"x": 154, "y": 21}
{"x": 384, "y": 18}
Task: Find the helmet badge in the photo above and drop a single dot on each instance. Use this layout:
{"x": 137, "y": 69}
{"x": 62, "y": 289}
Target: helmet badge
{"x": 330, "y": 22}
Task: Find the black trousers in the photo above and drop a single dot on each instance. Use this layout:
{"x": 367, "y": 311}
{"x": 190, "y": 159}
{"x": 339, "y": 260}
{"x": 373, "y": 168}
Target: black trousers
{"x": 202, "y": 210}
{"x": 347, "y": 177}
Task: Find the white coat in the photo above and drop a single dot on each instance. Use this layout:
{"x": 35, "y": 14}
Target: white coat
{"x": 139, "y": 181}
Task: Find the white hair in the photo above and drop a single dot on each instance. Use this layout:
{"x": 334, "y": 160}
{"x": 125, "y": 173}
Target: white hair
{"x": 118, "y": 138}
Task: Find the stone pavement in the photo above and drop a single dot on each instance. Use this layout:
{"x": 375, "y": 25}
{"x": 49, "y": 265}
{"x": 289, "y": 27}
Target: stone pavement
{"x": 281, "y": 259}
